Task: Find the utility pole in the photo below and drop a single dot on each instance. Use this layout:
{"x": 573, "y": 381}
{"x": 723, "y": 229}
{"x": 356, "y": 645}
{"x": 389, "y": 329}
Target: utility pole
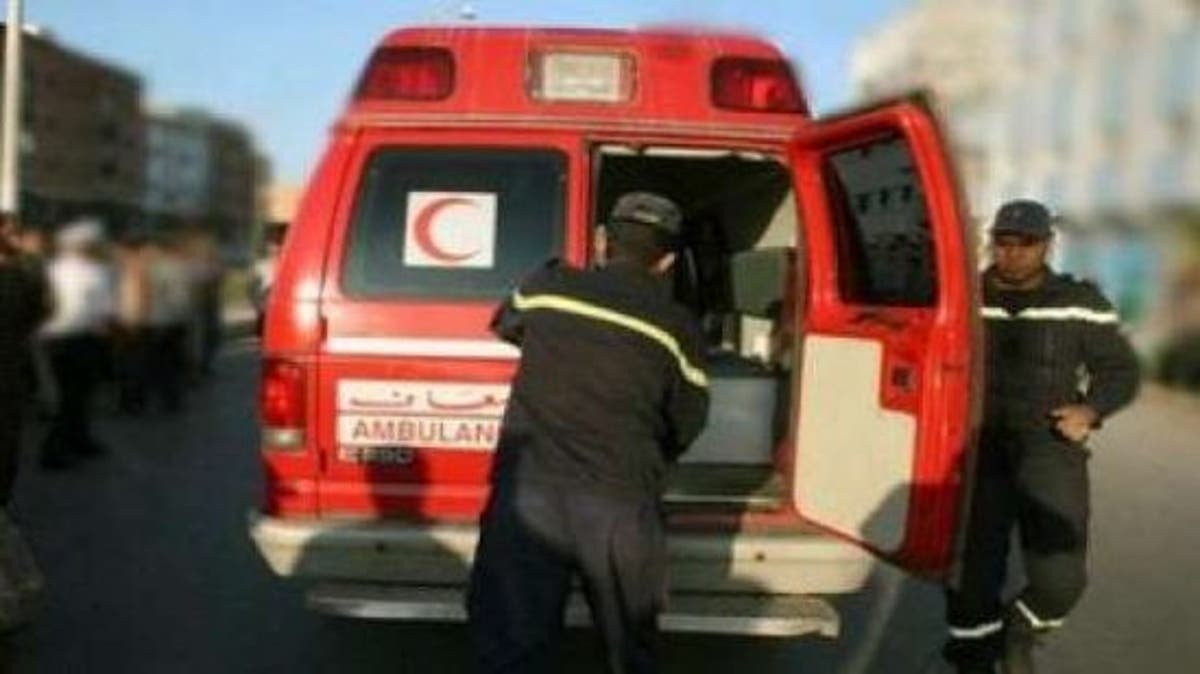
{"x": 10, "y": 135}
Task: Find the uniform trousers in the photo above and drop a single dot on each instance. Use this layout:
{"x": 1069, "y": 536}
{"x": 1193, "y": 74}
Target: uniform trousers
{"x": 534, "y": 540}
{"x": 1038, "y": 483}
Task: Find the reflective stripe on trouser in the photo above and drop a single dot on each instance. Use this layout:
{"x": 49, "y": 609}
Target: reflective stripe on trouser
{"x": 1035, "y": 621}
{"x": 1039, "y": 484}
{"x": 980, "y": 631}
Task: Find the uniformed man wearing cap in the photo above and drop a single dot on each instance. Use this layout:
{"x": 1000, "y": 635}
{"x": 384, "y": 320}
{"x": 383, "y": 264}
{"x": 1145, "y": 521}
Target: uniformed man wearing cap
{"x": 1057, "y": 367}
{"x": 611, "y": 388}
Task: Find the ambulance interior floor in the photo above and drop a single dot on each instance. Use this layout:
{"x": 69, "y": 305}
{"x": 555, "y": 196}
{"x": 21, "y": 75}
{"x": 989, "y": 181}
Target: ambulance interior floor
{"x": 724, "y": 487}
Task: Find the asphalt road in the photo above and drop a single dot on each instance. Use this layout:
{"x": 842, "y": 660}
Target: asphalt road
{"x": 150, "y": 569}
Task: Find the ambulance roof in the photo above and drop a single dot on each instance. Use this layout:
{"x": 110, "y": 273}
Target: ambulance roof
{"x": 667, "y": 73}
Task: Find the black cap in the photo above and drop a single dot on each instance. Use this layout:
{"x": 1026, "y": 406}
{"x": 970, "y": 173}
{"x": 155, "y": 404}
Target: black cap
{"x": 648, "y": 210}
{"x": 1023, "y": 217}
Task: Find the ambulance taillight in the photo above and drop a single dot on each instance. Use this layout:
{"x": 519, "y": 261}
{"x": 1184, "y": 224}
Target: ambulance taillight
{"x": 407, "y": 74}
{"x": 755, "y": 85}
{"x": 282, "y": 403}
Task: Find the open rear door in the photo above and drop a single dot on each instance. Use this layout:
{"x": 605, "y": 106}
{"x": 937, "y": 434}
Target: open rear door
{"x": 888, "y": 392}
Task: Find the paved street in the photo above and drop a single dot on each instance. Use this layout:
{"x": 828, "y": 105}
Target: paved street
{"x": 150, "y": 569}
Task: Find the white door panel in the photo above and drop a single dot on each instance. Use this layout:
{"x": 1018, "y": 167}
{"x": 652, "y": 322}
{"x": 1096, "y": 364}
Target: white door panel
{"x": 856, "y": 460}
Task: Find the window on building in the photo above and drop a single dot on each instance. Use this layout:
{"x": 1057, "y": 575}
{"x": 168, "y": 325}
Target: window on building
{"x": 1107, "y": 192}
{"x": 1168, "y": 177}
{"x": 1068, "y": 20}
{"x": 1027, "y": 29}
{"x": 1054, "y": 193}
{"x": 1013, "y": 189}
{"x": 1180, "y": 72}
{"x": 1114, "y": 94}
{"x": 1017, "y": 123}
{"x": 108, "y": 106}
{"x": 1123, "y": 12}
{"x": 1062, "y": 104}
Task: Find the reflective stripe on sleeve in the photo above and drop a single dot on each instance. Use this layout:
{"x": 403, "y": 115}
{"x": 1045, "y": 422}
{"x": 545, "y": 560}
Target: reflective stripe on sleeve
{"x": 1071, "y": 314}
{"x": 1054, "y": 314}
{"x": 576, "y": 307}
{"x": 977, "y": 632}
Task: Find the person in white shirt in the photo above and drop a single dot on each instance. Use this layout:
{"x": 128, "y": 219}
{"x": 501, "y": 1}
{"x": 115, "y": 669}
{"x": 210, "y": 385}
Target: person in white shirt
{"x": 84, "y": 302}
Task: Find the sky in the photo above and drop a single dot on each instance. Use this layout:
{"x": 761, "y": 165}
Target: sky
{"x": 284, "y": 67}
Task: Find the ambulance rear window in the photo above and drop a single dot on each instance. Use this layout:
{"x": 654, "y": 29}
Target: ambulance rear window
{"x": 454, "y": 223}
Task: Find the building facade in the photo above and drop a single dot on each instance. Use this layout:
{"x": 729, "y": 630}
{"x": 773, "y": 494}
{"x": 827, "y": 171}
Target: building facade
{"x": 177, "y": 164}
{"x": 203, "y": 171}
{"x": 1090, "y": 105}
{"x": 947, "y": 51}
{"x": 82, "y": 138}
{"x": 88, "y": 146}
{"x": 237, "y": 175}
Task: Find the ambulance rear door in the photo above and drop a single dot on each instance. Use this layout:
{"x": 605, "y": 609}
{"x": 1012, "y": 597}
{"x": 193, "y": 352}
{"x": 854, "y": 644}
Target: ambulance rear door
{"x": 412, "y": 384}
{"x": 884, "y": 419}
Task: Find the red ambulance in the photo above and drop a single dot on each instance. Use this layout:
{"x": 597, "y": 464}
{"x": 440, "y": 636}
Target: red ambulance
{"x": 827, "y": 259}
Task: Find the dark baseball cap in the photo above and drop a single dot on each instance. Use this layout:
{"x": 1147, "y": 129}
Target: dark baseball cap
{"x": 1023, "y": 217}
{"x": 648, "y": 210}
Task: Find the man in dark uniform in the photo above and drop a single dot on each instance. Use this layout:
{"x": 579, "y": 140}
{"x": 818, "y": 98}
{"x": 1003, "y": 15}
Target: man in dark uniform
{"x": 610, "y": 390}
{"x": 23, "y": 306}
{"x": 1057, "y": 367}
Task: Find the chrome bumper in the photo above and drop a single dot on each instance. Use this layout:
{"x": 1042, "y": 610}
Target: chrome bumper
{"x": 747, "y": 615}
{"x": 440, "y": 554}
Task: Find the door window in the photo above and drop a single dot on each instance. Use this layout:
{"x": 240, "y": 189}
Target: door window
{"x": 454, "y": 223}
{"x": 885, "y": 250}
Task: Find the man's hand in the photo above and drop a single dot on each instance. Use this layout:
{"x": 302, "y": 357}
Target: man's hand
{"x": 1075, "y": 422}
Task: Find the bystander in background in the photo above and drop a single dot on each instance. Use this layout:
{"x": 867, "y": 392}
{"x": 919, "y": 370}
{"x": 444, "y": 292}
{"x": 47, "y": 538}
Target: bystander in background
{"x": 170, "y": 312}
{"x": 74, "y": 338}
{"x": 132, "y": 338}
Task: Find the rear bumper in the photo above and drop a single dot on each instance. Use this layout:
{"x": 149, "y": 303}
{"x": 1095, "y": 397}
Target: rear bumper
{"x": 440, "y": 554}
{"x": 747, "y": 615}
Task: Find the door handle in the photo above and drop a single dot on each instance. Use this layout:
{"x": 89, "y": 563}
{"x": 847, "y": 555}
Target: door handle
{"x": 902, "y": 378}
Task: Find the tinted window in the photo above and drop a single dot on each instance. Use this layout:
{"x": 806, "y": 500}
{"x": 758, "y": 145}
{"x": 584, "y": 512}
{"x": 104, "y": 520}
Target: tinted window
{"x": 463, "y": 224}
{"x": 885, "y": 248}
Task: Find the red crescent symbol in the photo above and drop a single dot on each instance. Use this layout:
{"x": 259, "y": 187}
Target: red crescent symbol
{"x": 423, "y": 230}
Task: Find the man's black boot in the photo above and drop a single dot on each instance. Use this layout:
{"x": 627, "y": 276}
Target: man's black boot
{"x": 974, "y": 656}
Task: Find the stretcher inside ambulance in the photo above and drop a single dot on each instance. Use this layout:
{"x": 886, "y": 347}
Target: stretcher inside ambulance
{"x": 826, "y": 260}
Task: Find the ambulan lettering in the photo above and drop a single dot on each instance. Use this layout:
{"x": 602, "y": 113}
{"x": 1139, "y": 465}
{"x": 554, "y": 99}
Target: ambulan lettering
{"x": 424, "y": 431}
